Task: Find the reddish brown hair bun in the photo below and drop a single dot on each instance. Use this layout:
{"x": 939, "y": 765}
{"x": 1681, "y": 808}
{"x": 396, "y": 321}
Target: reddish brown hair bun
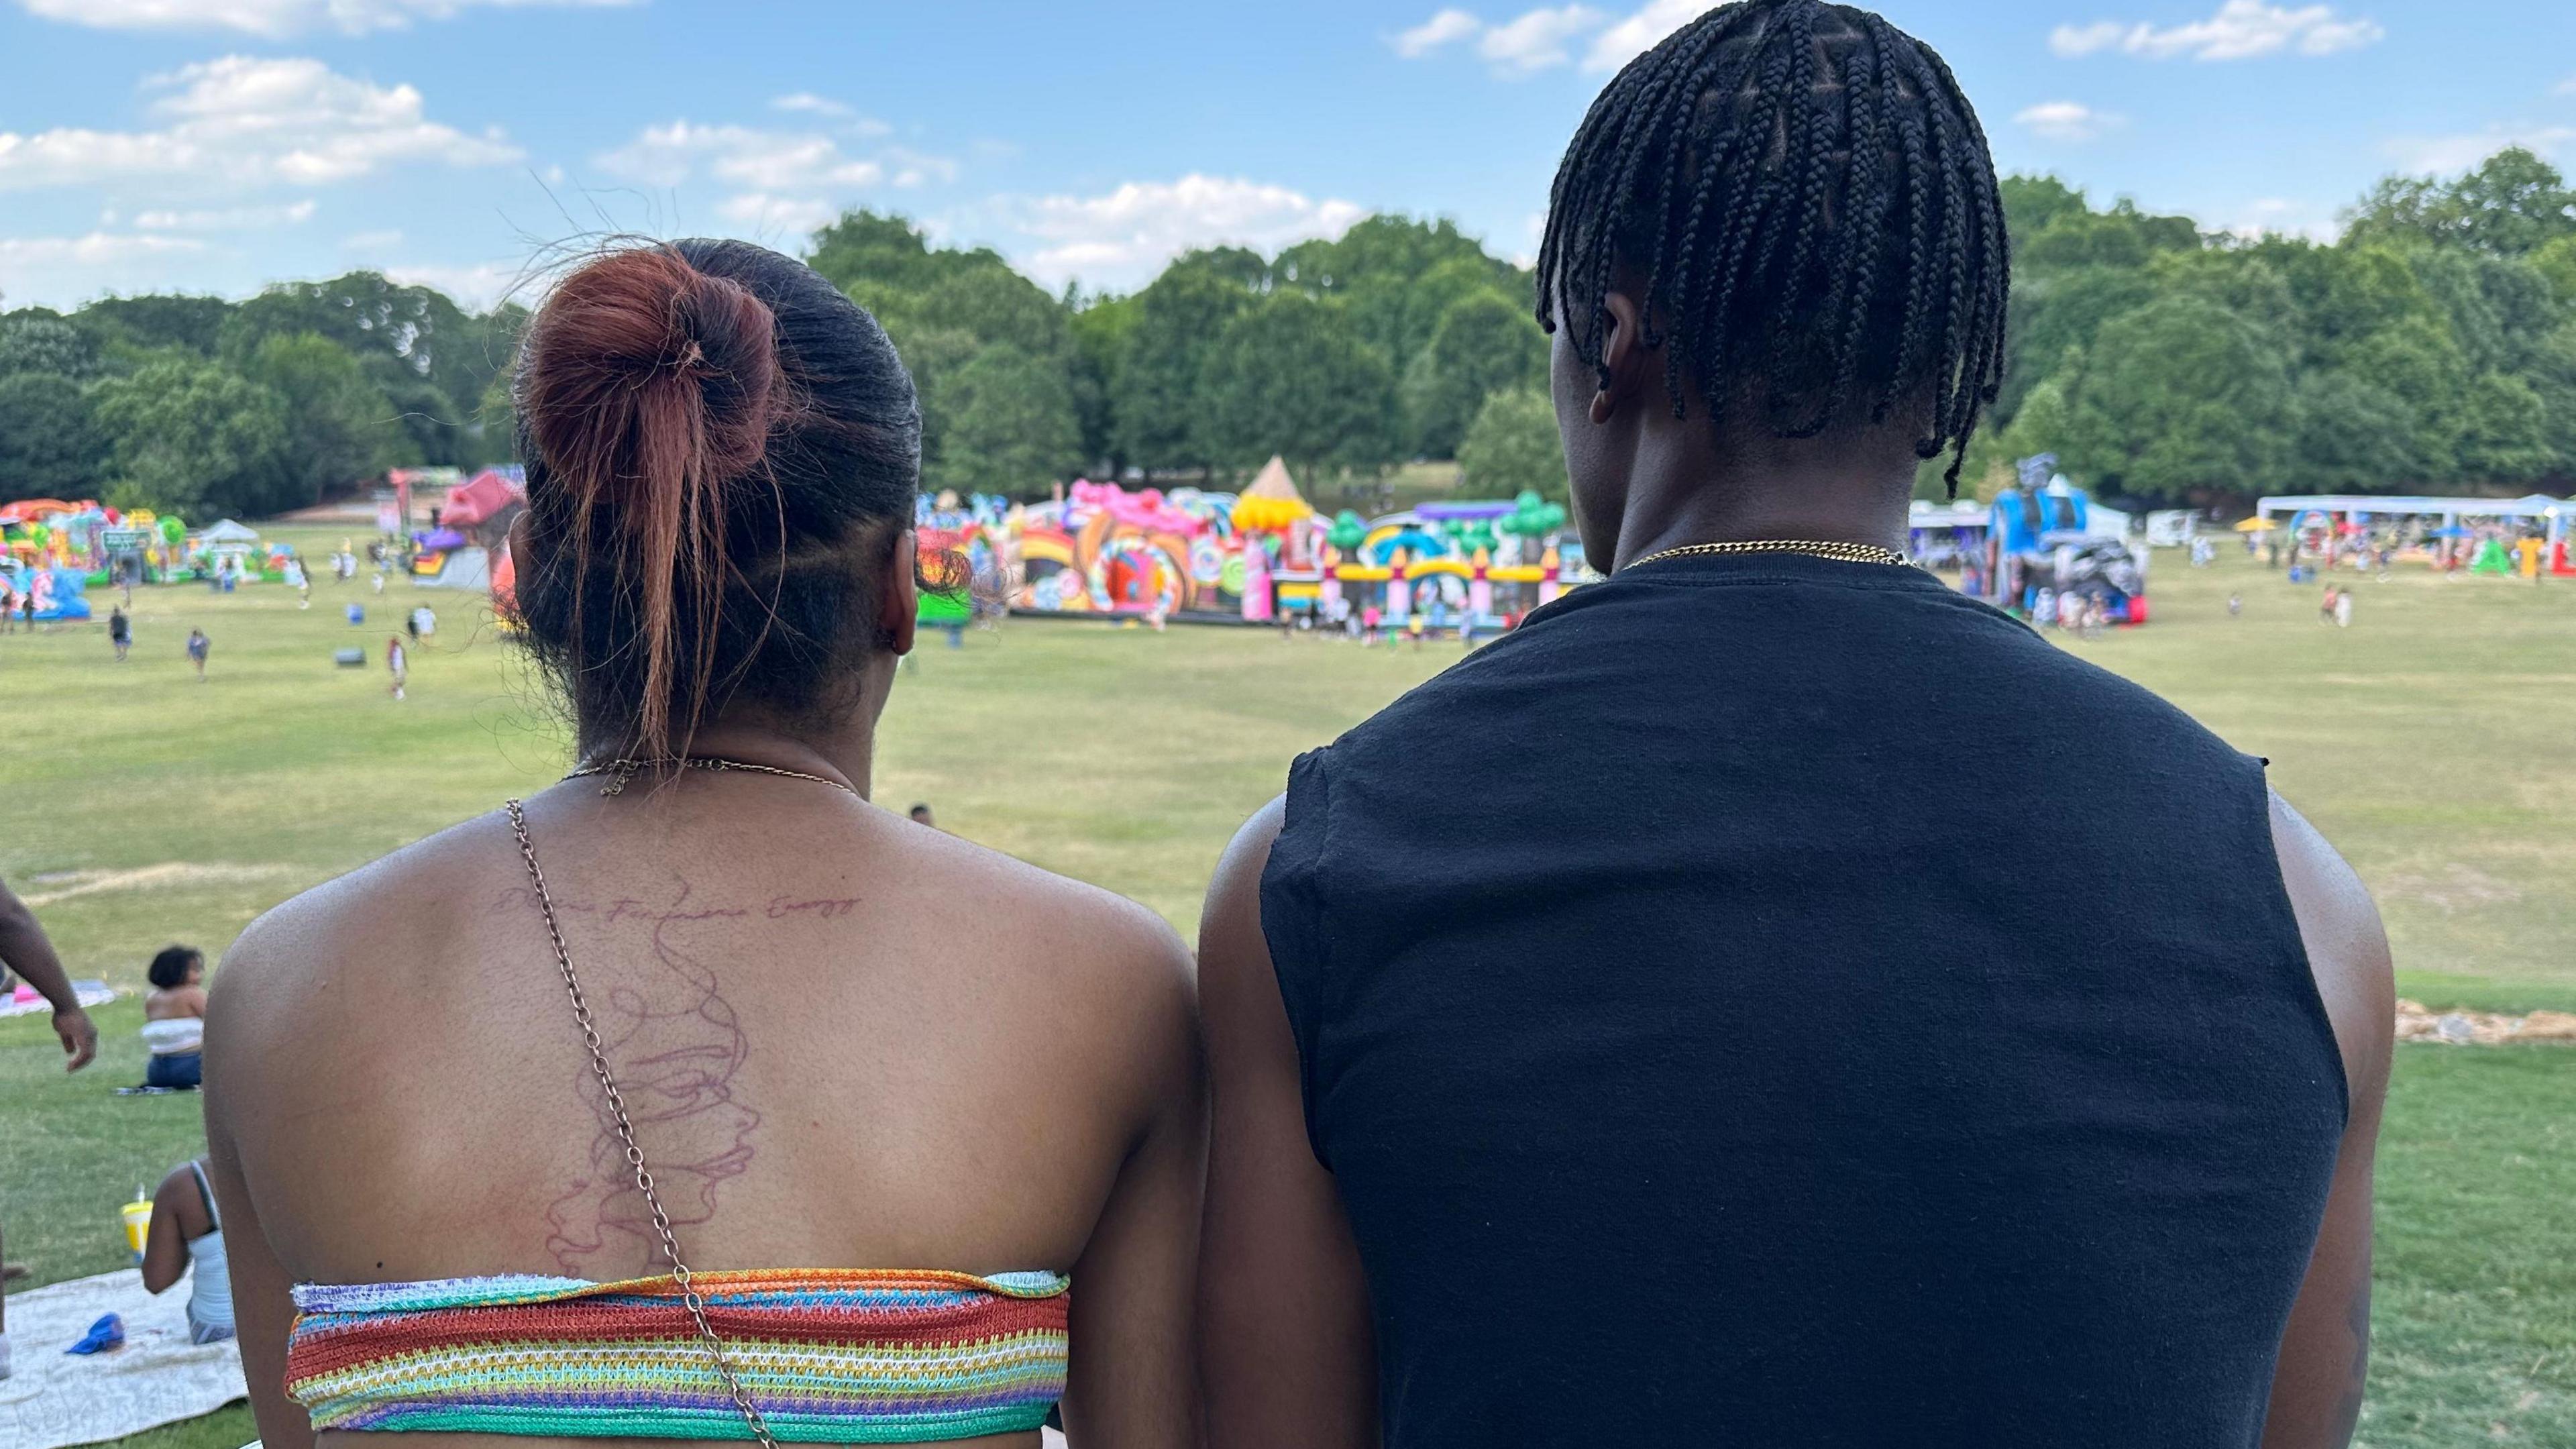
{"x": 694, "y": 415}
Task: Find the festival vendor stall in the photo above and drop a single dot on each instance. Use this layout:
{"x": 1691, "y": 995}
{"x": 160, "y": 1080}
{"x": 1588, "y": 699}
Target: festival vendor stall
{"x": 227, "y": 552}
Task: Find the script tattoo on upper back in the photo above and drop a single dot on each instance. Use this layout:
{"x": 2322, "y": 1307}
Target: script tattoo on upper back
{"x": 675, "y": 1046}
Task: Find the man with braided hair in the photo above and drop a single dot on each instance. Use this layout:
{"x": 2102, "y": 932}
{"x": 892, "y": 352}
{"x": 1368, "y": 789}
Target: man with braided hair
{"x": 1675, "y": 1068}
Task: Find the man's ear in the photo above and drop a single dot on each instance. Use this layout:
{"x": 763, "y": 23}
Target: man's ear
{"x": 1623, "y": 357}
{"x": 899, "y": 600}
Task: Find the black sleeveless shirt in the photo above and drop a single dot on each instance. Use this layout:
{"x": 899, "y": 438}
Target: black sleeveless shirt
{"x": 1767, "y": 1001}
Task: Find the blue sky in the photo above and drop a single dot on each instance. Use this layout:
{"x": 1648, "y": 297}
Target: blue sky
{"x": 215, "y": 145}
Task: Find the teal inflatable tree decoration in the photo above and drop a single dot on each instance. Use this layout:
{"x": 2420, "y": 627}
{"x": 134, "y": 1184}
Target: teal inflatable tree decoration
{"x": 1471, "y": 535}
{"x": 1533, "y": 517}
{"x": 1348, "y": 532}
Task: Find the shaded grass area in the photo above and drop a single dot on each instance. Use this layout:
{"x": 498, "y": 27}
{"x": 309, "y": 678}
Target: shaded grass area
{"x": 2429, "y": 741}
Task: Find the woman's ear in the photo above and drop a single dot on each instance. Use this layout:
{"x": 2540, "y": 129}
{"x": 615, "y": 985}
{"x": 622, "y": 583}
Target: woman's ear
{"x": 899, "y": 600}
{"x": 521, "y": 558}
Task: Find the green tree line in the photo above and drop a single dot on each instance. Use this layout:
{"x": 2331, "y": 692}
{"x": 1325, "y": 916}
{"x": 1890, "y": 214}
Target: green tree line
{"x": 209, "y": 407}
{"x": 2431, "y": 347}
{"x": 1343, "y": 356}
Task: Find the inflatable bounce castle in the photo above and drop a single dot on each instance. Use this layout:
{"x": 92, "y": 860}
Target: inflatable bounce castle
{"x": 1260, "y": 556}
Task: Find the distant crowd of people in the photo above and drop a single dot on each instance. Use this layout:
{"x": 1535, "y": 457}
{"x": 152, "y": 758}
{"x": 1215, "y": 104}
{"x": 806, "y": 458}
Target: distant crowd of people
{"x": 419, "y": 623}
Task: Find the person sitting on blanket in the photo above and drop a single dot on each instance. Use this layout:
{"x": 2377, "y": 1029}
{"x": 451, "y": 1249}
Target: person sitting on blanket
{"x": 174, "y": 1018}
{"x": 186, "y": 1233}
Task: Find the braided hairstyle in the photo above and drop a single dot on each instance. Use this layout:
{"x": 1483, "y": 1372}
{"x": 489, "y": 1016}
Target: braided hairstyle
{"x": 1810, "y": 203}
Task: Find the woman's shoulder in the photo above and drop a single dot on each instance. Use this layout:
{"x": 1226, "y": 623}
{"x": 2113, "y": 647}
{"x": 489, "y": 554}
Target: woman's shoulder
{"x": 1009, "y": 902}
{"x": 272, "y": 968}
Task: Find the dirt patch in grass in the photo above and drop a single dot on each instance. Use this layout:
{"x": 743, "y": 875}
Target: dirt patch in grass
{"x": 64, "y": 885}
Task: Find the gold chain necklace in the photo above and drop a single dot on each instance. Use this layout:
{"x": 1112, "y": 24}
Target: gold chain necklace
{"x": 1859, "y": 553}
{"x": 625, "y": 769}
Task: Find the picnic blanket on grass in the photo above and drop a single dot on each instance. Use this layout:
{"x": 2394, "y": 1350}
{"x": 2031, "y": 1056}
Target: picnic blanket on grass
{"x": 53, "y": 1399}
{"x": 21, "y": 999}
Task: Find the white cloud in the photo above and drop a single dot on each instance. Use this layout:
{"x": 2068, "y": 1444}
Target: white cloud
{"x": 764, "y": 216}
{"x": 2076, "y": 40}
{"x": 233, "y": 218}
{"x": 2241, "y": 30}
{"x": 274, "y": 19}
{"x": 1445, "y": 28}
{"x": 478, "y": 287}
{"x": 2460, "y": 152}
{"x": 1537, "y": 40}
{"x": 813, "y": 104}
{"x": 2068, "y": 121}
{"x": 2273, "y": 216}
{"x": 809, "y": 104}
{"x": 783, "y": 182}
{"x": 65, "y": 271}
{"x": 1641, "y": 32}
{"x": 1121, "y": 237}
{"x": 916, "y": 168}
{"x": 91, "y": 250}
{"x": 2567, "y": 87}
{"x": 251, "y": 122}
{"x": 745, "y": 155}
{"x": 1542, "y": 39}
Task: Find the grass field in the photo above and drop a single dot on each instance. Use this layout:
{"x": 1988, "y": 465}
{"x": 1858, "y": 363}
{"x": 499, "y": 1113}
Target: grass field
{"x": 2430, "y": 741}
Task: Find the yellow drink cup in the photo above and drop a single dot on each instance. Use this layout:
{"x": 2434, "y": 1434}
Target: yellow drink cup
{"x": 138, "y": 1222}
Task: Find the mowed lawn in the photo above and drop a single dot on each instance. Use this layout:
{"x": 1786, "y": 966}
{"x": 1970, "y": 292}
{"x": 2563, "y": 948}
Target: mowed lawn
{"x": 2431, "y": 740}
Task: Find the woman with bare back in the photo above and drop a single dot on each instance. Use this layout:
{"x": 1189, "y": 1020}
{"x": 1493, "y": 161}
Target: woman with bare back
{"x": 732, "y": 1105}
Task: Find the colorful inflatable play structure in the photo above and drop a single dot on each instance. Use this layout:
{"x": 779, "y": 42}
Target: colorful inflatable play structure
{"x": 1260, "y": 556}
{"x": 2042, "y": 544}
{"x": 469, "y": 548}
{"x": 55, "y": 547}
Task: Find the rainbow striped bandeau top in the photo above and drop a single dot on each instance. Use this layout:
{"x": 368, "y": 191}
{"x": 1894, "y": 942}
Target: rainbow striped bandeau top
{"x": 844, "y": 1357}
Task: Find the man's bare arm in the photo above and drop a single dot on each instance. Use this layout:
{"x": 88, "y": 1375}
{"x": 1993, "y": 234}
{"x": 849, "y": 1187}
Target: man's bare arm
{"x": 2325, "y": 1356}
{"x": 1288, "y": 1350}
{"x": 25, "y": 950}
